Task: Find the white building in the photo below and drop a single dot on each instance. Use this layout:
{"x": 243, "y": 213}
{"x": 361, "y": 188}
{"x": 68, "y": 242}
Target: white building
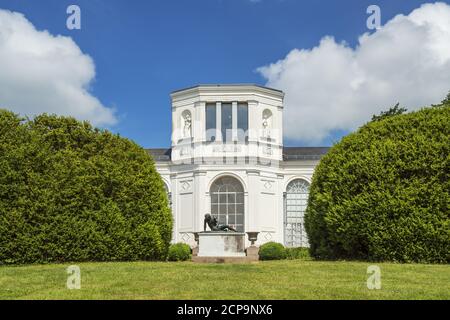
{"x": 227, "y": 158}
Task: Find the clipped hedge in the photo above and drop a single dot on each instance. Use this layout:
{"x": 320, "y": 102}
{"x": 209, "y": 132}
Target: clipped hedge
{"x": 71, "y": 192}
{"x": 298, "y": 253}
{"x": 272, "y": 251}
{"x": 179, "y": 252}
{"x": 382, "y": 193}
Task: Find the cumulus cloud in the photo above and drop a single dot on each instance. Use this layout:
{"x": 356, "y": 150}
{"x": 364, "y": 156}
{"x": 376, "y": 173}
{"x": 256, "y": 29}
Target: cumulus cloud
{"x": 335, "y": 87}
{"x": 40, "y": 73}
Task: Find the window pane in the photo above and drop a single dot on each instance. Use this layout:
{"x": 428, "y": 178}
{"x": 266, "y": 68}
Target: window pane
{"x": 222, "y": 219}
{"x": 242, "y": 119}
{"x": 240, "y": 198}
{"x": 227, "y": 121}
{"x": 223, "y": 209}
{"x": 210, "y": 122}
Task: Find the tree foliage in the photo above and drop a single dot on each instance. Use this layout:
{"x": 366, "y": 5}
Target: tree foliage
{"x": 382, "y": 193}
{"x": 71, "y": 192}
{"x": 393, "y": 111}
{"x": 446, "y": 99}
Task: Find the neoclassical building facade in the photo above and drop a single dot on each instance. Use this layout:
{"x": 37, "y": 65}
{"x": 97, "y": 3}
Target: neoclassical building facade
{"x": 227, "y": 158}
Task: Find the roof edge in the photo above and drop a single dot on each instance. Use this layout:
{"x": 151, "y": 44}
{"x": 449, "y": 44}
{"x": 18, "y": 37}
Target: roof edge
{"x": 224, "y": 86}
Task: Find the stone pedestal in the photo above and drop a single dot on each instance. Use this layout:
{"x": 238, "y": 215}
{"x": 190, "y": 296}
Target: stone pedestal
{"x": 221, "y": 244}
{"x": 224, "y": 247}
{"x": 252, "y": 253}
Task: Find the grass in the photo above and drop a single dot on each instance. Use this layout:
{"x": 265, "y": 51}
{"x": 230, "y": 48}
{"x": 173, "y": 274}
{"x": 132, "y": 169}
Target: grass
{"x": 288, "y": 279}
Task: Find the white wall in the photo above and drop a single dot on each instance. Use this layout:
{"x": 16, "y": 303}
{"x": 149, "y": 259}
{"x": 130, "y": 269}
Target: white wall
{"x": 264, "y": 188}
{"x": 196, "y": 163}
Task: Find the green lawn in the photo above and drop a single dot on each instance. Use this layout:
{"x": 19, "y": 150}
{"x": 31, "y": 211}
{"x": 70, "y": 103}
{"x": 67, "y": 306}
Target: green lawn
{"x": 289, "y": 279}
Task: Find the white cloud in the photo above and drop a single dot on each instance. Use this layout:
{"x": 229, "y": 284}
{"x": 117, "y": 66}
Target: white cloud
{"x": 335, "y": 87}
{"x": 40, "y": 73}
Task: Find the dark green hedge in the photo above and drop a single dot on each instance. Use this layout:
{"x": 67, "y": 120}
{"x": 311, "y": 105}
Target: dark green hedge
{"x": 179, "y": 252}
{"x": 70, "y": 192}
{"x": 382, "y": 193}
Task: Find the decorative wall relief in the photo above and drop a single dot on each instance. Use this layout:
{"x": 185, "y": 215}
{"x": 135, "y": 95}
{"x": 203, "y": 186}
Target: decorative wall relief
{"x": 186, "y": 185}
{"x": 185, "y": 236}
{"x": 268, "y": 184}
{"x": 266, "y": 123}
{"x": 267, "y": 235}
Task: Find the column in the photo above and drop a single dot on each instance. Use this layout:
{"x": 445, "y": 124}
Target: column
{"x": 252, "y": 198}
{"x": 200, "y": 131}
{"x": 254, "y": 123}
{"x": 199, "y": 122}
{"x": 218, "y": 121}
{"x": 201, "y": 202}
{"x": 234, "y": 121}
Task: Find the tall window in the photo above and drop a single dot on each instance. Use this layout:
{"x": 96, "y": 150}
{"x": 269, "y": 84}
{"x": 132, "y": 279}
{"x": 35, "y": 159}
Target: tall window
{"x": 227, "y": 113}
{"x": 296, "y": 200}
{"x": 227, "y": 202}
{"x": 242, "y": 122}
{"x": 227, "y": 122}
{"x": 211, "y": 122}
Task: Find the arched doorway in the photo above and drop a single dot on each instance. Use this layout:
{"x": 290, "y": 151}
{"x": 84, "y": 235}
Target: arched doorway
{"x": 295, "y": 202}
{"x": 227, "y": 202}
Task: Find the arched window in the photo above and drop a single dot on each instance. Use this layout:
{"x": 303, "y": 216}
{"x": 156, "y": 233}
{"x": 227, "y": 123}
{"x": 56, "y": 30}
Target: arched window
{"x": 227, "y": 202}
{"x": 295, "y": 202}
{"x": 168, "y": 193}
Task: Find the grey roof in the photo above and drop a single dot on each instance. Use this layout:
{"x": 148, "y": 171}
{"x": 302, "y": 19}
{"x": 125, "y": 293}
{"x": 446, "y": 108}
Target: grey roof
{"x": 160, "y": 154}
{"x": 289, "y": 153}
{"x": 226, "y": 85}
{"x": 304, "y": 153}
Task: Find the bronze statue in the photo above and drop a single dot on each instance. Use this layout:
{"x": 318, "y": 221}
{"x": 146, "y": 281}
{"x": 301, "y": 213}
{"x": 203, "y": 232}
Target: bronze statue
{"x": 214, "y": 225}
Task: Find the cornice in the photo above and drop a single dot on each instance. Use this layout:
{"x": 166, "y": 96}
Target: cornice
{"x": 225, "y": 88}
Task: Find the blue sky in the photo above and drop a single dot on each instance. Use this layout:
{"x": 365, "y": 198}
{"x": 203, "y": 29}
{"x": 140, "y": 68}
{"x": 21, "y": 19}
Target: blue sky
{"x": 143, "y": 50}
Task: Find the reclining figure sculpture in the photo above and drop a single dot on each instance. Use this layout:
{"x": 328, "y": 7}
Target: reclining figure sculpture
{"x": 214, "y": 225}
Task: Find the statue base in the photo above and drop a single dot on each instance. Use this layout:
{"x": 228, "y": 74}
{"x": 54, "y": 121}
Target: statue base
{"x": 221, "y": 244}
{"x": 223, "y": 247}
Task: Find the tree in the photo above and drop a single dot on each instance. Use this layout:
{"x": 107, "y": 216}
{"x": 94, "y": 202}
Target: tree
{"x": 71, "y": 192}
{"x": 382, "y": 193}
{"x": 446, "y": 99}
{"x": 393, "y": 111}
